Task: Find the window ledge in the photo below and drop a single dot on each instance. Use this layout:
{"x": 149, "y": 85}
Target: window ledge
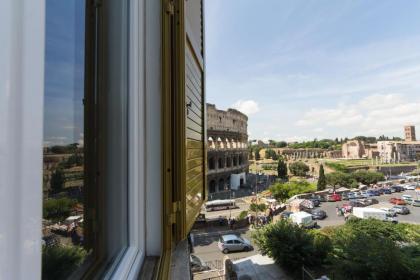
{"x": 180, "y": 262}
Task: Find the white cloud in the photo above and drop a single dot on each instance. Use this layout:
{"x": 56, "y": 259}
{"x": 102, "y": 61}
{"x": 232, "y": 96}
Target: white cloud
{"x": 373, "y": 115}
{"x": 248, "y": 107}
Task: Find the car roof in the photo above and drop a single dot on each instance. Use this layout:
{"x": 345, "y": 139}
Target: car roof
{"x": 228, "y": 237}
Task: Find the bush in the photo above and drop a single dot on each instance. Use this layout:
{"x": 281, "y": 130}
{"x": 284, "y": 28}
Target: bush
{"x": 59, "y": 262}
{"x": 289, "y": 245}
{"x": 299, "y": 168}
{"x": 58, "y": 209}
{"x": 242, "y": 215}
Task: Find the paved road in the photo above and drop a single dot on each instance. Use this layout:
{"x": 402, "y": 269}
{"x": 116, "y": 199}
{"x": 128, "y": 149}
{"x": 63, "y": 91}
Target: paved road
{"x": 242, "y": 206}
{"x": 205, "y": 246}
{"x": 333, "y": 219}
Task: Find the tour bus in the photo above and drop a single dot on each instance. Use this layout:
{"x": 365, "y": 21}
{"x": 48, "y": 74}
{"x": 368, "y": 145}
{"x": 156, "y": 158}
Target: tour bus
{"x": 221, "y": 204}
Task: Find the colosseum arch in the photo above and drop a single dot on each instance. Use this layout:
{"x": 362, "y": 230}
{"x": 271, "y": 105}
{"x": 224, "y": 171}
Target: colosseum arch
{"x": 228, "y": 145}
{"x": 220, "y": 143}
{"x": 212, "y": 163}
{"x": 234, "y": 146}
{"x": 211, "y": 143}
{"x": 220, "y": 163}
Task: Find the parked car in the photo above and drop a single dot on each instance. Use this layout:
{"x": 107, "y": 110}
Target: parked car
{"x": 372, "y": 201}
{"x": 410, "y": 187}
{"x": 398, "y": 188}
{"x": 416, "y": 203}
{"x": 401, "y": 209}
{"x": 390, "y": 212}
{"x": 397, "y": 201}
{"x": 336, "y": 197}
{"x": 318, "y": 214}
{"x": 344, "y": 196}
{"x": 370, "y": 193}
{"x": 356, "y": 203}
{"x": 407, "y": 198}
{"x": 387, "y": 191}
{"x": 198, "y": 264}
{"x": 351, "y": 196}
{"x": 363, "y": 194}
{"x": 285, "y": 214}
{"x": 315, "y": 201}
{"x": 232, "y": 243}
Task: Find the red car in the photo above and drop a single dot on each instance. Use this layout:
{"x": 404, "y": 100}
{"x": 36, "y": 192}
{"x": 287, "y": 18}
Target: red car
{"x": 336, "y": 197}
{"x": 397, "y": 201}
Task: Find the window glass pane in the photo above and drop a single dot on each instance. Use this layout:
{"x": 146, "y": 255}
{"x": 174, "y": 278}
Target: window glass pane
{"x": 64, "y": 249}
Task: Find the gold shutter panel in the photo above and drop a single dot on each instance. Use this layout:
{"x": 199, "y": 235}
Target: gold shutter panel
{"x": 195, "y": 114}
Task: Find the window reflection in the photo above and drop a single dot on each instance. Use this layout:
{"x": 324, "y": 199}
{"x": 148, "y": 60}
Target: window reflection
{"x": 64, "y": 250}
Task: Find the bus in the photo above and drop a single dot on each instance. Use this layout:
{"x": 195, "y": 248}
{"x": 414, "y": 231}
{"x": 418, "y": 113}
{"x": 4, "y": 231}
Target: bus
{"x": 221, "y": 204}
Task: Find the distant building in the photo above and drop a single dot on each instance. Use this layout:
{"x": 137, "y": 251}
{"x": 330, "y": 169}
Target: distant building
{"x": 227, "y": 152}
{"x": 303, "y": 153}
{"x": 397, "y": 151}
{"x": 357, "y": 149}
{"x": 410, "y": 133}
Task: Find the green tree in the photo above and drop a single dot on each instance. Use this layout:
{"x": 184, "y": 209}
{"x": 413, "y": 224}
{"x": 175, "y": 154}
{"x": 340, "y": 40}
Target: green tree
{"x": 340, "y": 179}
{"x": 299, "y": 168}
{"x": 59, "y": 262}
{"x": 57, "y": 180}
{"x": 282, "y": 169}
{"x": 367, "y": 177}
{"x": 283, "y": 191}
{"x": 257, "y": 153}
{"x": 322, "y": 180}
{"x": 281, "y": 144}
{"x": 270, "y": 153}
{"x": 290, "y": 245}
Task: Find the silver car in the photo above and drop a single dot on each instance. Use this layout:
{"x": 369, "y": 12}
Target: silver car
{"x": 232, "y": 243}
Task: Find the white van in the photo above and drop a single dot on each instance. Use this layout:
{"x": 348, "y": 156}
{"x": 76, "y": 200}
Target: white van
{"x": 303, "y": 219}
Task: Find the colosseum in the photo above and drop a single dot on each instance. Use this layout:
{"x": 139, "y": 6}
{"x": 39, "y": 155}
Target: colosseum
{"x": 227, "y": 152}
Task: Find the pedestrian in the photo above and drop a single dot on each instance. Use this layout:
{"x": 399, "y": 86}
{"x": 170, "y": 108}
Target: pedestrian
{"x": 220, "y": 221}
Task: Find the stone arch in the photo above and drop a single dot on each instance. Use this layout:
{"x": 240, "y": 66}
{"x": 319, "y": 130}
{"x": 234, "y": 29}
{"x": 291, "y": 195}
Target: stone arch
{"x": 221, "y": 185}
{"x": 211, "y": 143}
{"x": 228, "y": 145}
{"x": 228, "y": 161}
{"x": 233, "y": 144}
{"x": 220, "y": 143}
{"x": 212, "y": 163}
{"x": 212, "y": 186}
{"x": 220, "y": 163}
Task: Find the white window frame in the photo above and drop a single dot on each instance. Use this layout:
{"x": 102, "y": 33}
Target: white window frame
{"x": 22, "y": 26}
{"x": 22, "y": 29}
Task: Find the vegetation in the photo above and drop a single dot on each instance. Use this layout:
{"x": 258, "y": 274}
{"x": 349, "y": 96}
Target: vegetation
{"x": 367, "y": 177}
{"x": 59, "y": 262}
{"x": 242, "y": 215}
{"x": 340, "y": 179}
{"x": 298, "y": 168}
{"x": 282, "y": 169}
{"x": 359, "y": 249}
{"x": 58, "y": 209}
{"x": 322, "y": 180}
{"x": 270, "y": 153}
{"x": 291, "y": 246}
{"x": 337, "y": 167}
{"x": 254, "y": 207}
{"x": 284, "y": 191}
{"x": 318, "y": 144}
{"x": 57, "y": 180}
{"x": 351, "y": 180}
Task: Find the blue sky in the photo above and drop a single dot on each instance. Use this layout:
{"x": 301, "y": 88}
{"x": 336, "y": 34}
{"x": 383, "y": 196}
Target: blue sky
{"x": 64, "y": 72}
{"x": 307, "y": 69}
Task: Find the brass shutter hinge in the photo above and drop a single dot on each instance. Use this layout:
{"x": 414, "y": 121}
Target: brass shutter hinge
{"x": 176, "y": 208}
{"x": 170, "y": 7}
